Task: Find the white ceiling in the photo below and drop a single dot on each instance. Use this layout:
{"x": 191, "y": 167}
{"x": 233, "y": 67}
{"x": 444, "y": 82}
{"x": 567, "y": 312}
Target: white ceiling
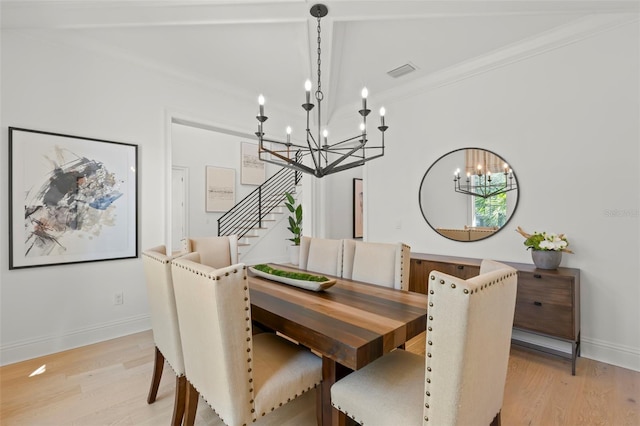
{"x": 250, "y": 47}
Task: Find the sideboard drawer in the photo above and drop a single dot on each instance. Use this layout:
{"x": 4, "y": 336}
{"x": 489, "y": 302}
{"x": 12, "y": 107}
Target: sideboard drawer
{"x": 549, "y": 289}
{"x": 545, "y": 303}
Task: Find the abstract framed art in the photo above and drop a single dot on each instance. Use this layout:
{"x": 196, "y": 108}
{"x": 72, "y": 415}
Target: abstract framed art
{"x": 71, "y": 199}
{"x": 358, "y": 204}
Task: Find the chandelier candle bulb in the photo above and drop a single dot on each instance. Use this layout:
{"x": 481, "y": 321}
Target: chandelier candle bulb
{"x": 307, "y": 88}
{"x": 288, "y": 134}
{"x": 261, "y": 103}
{"x": 382, "y": 112}
{"x": 365, "y": 93}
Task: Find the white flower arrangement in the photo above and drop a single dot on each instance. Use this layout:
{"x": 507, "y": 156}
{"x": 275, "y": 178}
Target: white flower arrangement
{"x": 545, "y": 241}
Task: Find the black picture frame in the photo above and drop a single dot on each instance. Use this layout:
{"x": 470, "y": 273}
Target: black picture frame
{"x": 72, "y": 199}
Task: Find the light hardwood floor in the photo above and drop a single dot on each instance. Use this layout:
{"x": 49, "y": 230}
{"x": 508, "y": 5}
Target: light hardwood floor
{"x": 107, "y": 383}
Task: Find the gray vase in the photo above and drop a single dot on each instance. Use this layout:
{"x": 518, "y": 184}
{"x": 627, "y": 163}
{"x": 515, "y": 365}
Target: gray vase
{"x": 546, "y": 259}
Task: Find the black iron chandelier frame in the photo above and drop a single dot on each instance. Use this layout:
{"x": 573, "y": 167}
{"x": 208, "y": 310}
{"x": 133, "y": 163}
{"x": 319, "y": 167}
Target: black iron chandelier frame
{"x": 326, "y": 158}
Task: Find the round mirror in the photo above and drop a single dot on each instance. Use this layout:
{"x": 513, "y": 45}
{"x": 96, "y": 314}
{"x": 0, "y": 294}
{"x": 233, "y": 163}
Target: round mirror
{"x": 468, "y": 194}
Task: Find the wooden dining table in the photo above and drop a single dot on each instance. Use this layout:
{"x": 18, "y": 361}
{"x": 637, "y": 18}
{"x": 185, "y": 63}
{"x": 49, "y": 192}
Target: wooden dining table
{"x": 349, "y": 324}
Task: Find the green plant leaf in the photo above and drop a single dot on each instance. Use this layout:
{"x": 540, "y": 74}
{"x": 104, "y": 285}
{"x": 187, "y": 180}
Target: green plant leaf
{"x": 290, "y": 198}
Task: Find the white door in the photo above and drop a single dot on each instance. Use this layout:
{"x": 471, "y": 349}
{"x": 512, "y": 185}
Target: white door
{"x": 179, "y": 205}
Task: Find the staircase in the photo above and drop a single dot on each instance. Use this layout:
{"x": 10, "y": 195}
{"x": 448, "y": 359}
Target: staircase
{"x": 260, "y": 210}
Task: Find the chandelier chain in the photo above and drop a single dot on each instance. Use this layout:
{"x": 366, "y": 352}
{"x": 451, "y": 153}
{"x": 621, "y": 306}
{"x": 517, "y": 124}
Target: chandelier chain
{"x": 319, "y": 94}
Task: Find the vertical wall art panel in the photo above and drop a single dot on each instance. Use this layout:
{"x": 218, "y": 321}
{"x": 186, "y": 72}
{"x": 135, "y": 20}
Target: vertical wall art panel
{"x": 358, "y": 204}
{"x": 252, "y": 171}
{"x": 71, "y": 199}
{"x": 221, "y": 189}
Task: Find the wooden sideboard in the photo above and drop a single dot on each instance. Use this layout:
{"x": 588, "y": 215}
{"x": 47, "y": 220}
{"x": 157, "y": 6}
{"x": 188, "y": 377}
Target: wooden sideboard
{"x": 547, "y": 302}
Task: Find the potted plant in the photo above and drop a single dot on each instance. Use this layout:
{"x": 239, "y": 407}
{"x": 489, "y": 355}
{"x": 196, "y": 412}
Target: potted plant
{"x": 295, "y": 226}
{"x": 546, "y": 248}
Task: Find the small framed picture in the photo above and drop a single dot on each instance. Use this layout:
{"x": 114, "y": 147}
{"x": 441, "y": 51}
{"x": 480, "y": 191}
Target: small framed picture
{"x": 220, "y": 188}
{"x": 252, "y": 170}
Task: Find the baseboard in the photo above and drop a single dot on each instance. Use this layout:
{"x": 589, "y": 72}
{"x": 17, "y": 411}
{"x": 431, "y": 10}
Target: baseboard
{"x": 619, "y": 355}
{"x": 598, "y": 350}
{"x": 45, "y": 345}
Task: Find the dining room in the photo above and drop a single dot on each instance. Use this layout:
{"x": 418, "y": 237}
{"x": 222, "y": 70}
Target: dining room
{"x": 550, "y": 89}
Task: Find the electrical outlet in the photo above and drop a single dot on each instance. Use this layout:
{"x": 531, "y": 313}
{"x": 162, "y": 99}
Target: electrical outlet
{"x": 118, "y": 298}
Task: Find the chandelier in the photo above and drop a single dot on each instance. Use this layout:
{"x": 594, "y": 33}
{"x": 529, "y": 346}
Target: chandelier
{"x": 484, "y": 184}
{"x": 323, "y": 157}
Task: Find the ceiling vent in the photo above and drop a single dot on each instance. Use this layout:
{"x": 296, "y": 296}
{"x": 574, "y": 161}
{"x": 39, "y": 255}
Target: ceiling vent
{"x": 402, "y": 70}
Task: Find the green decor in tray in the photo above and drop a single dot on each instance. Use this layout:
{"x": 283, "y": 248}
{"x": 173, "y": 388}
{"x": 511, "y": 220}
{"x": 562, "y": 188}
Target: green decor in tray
{"x": 297, "y": 279}
{"x": 293, "y": 275}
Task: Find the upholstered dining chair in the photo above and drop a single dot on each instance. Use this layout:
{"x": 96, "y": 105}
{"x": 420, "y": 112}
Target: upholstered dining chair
{"x": 164, "y": 323}
{"x": 321, "y": 255}
{"x": 383, "y": 264}
{"x": 242, "y": 376}
{"x": 216, "y": 252}
{"x": 461, "y": 380}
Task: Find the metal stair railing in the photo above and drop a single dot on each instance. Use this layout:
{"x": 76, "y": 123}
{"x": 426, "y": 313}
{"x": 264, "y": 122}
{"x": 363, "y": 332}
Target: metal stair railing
{"x": 249, "y": 213}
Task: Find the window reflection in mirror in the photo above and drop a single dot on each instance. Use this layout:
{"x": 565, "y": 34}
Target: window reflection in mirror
{"x": 468, "y": 194}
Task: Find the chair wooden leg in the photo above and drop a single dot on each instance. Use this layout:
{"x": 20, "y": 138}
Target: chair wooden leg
{"x": 338, "y": 418}
{"x": 319, "y": 404}
{"x": 158, "y": 365}
{"x": 496, "y": 420}
{"x": 179, "y": 401}
{"x": 191, "y": 405}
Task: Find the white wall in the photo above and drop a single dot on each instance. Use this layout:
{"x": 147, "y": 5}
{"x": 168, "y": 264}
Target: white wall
{"x": 73, "y": 91}
{"x": 568, "y": 122}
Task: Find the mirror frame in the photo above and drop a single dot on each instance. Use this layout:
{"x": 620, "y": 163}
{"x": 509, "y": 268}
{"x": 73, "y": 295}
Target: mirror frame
{"x": 424, "y": 177}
